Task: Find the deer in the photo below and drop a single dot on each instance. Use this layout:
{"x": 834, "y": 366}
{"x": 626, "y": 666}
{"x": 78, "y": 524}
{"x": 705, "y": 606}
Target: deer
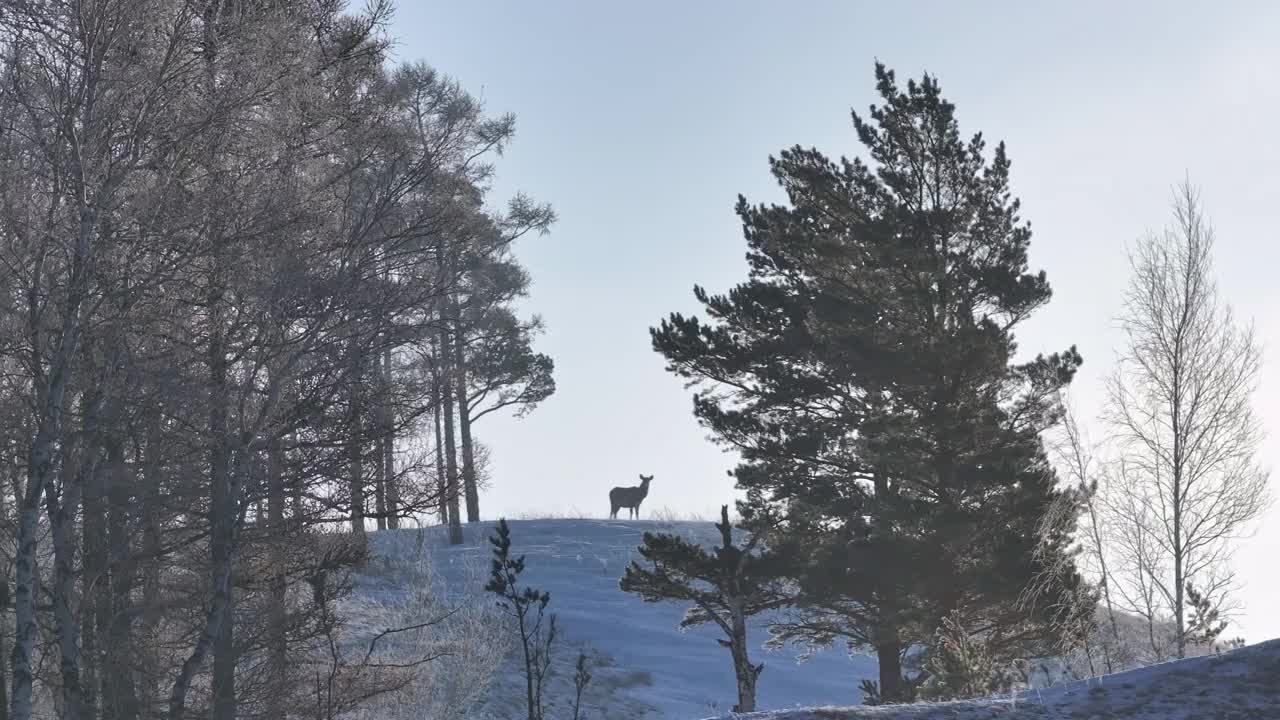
{"x": 629, "y": 497}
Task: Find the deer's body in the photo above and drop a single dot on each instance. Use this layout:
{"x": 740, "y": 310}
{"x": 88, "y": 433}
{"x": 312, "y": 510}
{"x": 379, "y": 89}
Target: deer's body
{"x": 629, "y": 497}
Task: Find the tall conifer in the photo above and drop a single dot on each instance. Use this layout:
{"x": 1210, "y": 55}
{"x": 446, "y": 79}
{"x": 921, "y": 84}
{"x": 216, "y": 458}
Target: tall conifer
{"x": 866, "y": 372}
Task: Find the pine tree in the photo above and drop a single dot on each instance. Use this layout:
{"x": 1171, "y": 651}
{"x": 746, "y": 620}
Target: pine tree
{"x": 535, "y": 626}
{"x": 865, "y": 372}
{"x": 1204, "y": 623}
{"x": 961, "y": 666}
{"x": 725, "y": 586}
{"x": 495, "y": 366}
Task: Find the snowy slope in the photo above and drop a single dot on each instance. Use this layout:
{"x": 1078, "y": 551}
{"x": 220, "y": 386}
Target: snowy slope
{"x": 644, "y": 666}
{"x": 1239, "y": 685}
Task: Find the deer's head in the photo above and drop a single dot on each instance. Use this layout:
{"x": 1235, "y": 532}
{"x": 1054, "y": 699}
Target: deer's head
{"x": 645, "y": 479}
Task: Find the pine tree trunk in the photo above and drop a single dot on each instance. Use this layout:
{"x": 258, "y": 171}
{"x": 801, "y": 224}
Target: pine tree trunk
{"x": 355, "y": 440}
{"x": 389, "y": 472}
{"x": 389, "y": 448}
{"x": 442, "y": 482}
{"x": 889, "y": 658}
{"x": 464, "y": 419}
{"x": 450, "y": 446}
{"x": 746, "y": 673}
{"x": 468, "y": 461}
{"x": 380, "y": 467}
{"x": 380, "y": 488}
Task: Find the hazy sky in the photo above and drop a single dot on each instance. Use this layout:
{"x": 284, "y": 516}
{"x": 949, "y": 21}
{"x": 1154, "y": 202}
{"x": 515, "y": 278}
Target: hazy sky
{"x": 641, "y": 122}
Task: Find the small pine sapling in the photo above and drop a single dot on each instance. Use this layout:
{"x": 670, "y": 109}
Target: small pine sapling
{"x": 726, "y": 586}
{"x": 1206, "y": 623}
{"x": 961, "y": 665}
{"x": 528, "y": 607}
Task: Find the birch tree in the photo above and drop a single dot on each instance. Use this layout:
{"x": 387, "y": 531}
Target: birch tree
{"x": 1081, "y": 464}
{"x": 1180, "y": 409}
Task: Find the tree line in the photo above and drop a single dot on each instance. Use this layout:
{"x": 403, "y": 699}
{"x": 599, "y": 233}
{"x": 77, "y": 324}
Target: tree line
{"x": 254, "y": 288}
{"x": 914, "y": 486}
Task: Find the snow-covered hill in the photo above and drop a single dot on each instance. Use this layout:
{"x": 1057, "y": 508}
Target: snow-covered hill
{"x": 645, "y": 667}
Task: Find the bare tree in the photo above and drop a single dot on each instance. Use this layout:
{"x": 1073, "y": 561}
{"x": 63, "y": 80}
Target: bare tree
{"x": 81, "y": 123}
{"x": 1078, "y": 463}
{"x": 219, "y": 221}
{"x": 1179, "y": 410}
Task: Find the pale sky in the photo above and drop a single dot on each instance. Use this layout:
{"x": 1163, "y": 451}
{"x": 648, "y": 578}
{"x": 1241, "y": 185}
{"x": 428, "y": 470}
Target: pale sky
{"x": 641, "y": 122}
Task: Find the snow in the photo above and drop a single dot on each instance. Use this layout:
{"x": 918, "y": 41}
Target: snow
{"x": 645, "y": 667}
{"x": 1239, "y": 685}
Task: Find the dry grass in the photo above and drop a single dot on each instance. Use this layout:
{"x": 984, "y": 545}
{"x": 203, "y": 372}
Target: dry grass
{"x": 470, "y": 640}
